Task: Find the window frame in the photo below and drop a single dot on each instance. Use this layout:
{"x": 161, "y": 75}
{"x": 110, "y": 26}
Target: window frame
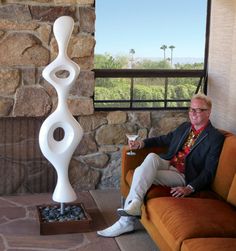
{"x": 161, "y": 73}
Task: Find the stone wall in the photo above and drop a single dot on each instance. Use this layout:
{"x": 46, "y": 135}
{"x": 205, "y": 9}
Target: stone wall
{"x": 27, "y": 45}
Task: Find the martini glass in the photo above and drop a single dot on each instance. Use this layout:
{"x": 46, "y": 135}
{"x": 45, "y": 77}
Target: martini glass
{"x": 131, "y": 137}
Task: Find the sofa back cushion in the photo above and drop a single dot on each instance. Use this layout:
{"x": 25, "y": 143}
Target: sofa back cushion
{"x": 226, "y": 168}
{"x": 232, "y": 192}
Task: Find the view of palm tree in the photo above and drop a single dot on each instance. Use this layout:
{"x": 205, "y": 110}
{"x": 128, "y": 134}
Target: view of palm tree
{"x": 164, "y": 47}
{"x": 131, "y": 52}
{"x": 171, "y": 57}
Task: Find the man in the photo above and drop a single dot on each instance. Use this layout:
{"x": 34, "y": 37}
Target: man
{"x": 188, "y": 166}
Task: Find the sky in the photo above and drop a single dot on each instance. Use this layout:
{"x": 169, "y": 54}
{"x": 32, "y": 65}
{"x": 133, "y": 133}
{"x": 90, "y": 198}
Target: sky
{"x": 145, "y": 26}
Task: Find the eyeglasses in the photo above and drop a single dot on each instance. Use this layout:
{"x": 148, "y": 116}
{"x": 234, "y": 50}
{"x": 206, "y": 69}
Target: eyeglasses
{"x": 197, "y": 110}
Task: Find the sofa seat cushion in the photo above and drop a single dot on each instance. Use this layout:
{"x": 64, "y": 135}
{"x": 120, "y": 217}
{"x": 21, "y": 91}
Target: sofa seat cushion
{"x": 209, "y": 244}
{"x": 178, "y": 219}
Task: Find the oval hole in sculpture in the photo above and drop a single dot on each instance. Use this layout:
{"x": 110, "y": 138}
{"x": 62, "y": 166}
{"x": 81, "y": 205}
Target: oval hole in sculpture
{"x": 62, "y": 74}
{"x": 59, "y": 134}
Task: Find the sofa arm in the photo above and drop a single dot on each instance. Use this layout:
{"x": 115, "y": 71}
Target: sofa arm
{"x": 130, "y": 162}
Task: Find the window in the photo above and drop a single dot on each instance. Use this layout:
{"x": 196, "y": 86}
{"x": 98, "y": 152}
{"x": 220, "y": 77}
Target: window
{"x": 149, "y": 55}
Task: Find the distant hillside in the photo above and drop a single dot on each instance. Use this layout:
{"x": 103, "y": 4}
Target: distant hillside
{"x": 187, "y": 60}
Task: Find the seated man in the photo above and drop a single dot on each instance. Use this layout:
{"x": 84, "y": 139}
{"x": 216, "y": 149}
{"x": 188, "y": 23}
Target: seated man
{"x": 188, "y": 166}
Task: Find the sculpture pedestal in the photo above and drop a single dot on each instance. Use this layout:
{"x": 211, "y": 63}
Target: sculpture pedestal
{"x": 74, "y": 220}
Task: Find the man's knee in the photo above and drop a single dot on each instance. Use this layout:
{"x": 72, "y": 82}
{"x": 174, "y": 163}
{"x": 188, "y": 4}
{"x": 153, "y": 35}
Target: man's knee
{"x": 152, "y": 156}
{"x": 151, "y": 162}
{"x": 155, "y": 161}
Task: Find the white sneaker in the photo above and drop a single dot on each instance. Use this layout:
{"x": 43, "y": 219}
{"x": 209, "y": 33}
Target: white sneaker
{"x": 117, "y": 229}
{"x": 133, "y": 209}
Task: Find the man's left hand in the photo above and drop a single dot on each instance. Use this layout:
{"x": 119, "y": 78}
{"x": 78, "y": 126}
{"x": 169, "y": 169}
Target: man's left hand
{"x": 180, "y": 191}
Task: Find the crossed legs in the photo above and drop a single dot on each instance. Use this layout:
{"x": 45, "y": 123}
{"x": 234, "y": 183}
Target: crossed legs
{"x": 153, "y": 170}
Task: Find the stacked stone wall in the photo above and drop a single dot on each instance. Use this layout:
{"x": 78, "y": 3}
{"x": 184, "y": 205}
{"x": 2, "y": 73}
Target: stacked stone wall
{"x": 27, "y": 45}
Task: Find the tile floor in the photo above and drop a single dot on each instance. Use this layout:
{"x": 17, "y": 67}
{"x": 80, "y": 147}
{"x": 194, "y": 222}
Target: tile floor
{"x": 19, "y": 225}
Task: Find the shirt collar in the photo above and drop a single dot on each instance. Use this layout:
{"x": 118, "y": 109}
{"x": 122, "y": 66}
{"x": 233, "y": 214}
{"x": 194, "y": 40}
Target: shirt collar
{"x": 199, "y": 130}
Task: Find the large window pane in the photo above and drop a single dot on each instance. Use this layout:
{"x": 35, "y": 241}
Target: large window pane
{"x": 163, "y": 35}
{"x": 150, "y": 34}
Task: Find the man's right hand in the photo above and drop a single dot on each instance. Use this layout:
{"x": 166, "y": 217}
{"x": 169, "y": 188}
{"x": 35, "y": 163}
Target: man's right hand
{"x": 136, "y": 144}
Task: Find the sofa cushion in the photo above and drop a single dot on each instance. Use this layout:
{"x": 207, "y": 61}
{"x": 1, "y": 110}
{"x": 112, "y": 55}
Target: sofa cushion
{"x": 226, "y": 167}
{"x": 209, "y": 244}
{"x": 178, "y": 219}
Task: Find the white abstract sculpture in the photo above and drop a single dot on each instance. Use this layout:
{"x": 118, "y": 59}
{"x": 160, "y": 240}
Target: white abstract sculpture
{"x": 59, "y": 153}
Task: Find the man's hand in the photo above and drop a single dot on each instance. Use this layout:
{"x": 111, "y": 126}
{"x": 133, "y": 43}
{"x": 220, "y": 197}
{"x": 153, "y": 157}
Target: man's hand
{"x": 180, "y": 191}
{"x": 136, "y": 144}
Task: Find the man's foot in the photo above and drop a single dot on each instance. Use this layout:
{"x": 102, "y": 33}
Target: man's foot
{"x": 133, "y": 209}
{"x": 117, "y": 229}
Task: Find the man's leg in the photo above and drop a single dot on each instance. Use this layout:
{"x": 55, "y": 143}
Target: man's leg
{"x": 144, "y": 176}
{"x": 153, "y": 170}
{"x": 123, "y": 225}
{"x": 170, "y": 178}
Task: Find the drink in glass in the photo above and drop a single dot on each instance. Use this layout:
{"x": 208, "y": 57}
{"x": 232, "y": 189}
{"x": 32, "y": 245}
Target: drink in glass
{"x": 131, "y": 137}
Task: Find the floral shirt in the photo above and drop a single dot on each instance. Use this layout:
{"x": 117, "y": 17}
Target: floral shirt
{"x": 178, "y": 160}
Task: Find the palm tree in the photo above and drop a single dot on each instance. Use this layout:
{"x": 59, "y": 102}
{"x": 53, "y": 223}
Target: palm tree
{"x": 164, "y": 47}
{"x": 171, "y": 57}
{"x": 131, "y": 52}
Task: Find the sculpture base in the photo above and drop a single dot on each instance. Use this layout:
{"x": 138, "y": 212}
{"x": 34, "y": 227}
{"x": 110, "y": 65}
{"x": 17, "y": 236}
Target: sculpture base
{"x": 73, "y": 220}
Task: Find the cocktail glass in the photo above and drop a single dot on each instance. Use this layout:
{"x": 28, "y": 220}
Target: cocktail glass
{"x": 131, "y": 137}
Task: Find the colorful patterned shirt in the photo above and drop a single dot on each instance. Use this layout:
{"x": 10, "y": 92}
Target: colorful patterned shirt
{"x": 178, "y": 161}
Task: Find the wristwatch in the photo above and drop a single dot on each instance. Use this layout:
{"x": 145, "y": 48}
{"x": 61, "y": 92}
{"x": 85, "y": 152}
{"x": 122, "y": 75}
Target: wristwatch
{"x": 189, "y": 186}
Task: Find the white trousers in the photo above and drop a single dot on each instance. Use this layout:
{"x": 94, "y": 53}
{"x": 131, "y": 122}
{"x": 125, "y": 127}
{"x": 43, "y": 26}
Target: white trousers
{"x": 153, "y": 170}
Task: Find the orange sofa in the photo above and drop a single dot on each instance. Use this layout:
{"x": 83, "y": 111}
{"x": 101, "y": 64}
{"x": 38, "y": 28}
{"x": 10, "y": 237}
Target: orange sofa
{"x": 205, "y": 221}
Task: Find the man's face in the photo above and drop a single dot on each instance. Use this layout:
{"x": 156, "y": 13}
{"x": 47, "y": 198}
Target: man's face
{"x": 199, "y": 113}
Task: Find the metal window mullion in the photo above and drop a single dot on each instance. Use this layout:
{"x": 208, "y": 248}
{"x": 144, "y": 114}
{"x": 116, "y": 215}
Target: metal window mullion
{"x": 131, "y": 92}
{"x": 199, "y": 85}
{"x": 166, "y": 91}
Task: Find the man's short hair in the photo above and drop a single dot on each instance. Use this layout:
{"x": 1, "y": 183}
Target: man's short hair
{"x": 203, "y": 97}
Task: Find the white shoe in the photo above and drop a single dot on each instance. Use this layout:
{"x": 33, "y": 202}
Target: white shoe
{"x": 117, "y": 229}
{"x": 133, "y": 209}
